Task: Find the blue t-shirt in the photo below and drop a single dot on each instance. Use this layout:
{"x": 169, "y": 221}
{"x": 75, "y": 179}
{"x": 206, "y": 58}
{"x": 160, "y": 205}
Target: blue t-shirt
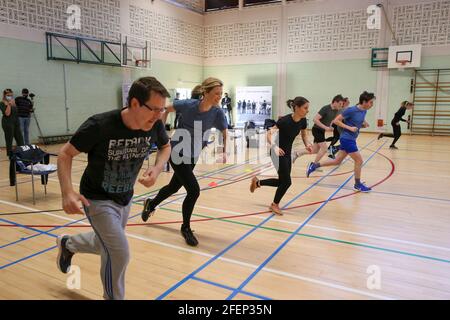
{"x": 196, "y": 123}
{"x": 353, "y": 117}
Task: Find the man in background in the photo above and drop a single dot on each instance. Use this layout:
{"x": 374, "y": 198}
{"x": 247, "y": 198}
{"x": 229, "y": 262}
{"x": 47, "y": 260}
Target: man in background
{"x": 226, "y": 104}
{"x": 25, "y": 106}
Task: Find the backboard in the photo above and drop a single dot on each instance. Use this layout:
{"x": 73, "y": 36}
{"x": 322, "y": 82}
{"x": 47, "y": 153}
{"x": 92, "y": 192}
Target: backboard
{"x": 406, "y": 56}
{"x": 135, "y": 52}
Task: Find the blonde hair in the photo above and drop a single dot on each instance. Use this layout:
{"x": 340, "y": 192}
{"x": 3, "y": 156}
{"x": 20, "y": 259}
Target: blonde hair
{"x": 197, "y": 92}
{"x": 210, "y": 83}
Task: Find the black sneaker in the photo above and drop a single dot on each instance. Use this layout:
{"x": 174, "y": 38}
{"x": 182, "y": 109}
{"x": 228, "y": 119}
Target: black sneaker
{"x": 189, "y": 236}
{"x": 64, "y": 259}
{"x": 393, "y": 147}
{"x": 380, "y": 136}
{"x": 148, "y": 210}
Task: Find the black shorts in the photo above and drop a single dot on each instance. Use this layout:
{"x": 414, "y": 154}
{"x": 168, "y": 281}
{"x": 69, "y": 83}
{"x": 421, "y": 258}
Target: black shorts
{"x": 318, "y": 134}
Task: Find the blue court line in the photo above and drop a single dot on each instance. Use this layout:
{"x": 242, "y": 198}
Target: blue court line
{"x": 410, "y": 159}
{"x": 52, "y": 235}
{"x": 254, "y": 273}
{"x": 217, "y": 256}
{"x": 182, "y": 196}
{"x": 426, "y": 151}
{"x": 53, "y": 229}
{"x": 329, "y": 185}
{"x": 40, "y": 232}
{"x": 234, "y": 166}
{"x": 230, "y": 288}
{"x": 26, "y": 258}
{"x": 204, "y": 171}
{"x": 29, "y": 228}
{"x": 188, "y": 277}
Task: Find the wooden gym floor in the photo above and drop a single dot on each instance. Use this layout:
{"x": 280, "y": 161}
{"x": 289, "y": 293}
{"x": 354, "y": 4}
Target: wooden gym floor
{"x": 393, "y": 243}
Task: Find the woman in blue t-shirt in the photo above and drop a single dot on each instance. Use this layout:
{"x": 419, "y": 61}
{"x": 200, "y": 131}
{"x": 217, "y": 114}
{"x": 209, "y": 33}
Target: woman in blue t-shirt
{"x": 191, "y": 136}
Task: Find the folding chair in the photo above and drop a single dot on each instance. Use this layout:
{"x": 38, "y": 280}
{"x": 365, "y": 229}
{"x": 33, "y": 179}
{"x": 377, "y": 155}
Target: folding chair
{"x": 23, "y": 161}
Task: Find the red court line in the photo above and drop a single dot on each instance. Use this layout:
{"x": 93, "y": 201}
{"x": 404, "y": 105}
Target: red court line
{"x": 243, "y": 177}
{"x": 228, "y": 217}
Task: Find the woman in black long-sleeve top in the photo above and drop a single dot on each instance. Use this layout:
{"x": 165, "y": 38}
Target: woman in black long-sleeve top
{"x": 396, "y": 123}
{"x": 285, "y": 132}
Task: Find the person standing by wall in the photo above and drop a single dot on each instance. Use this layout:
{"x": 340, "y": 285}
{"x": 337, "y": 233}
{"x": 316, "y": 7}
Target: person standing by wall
{"x": 10, "y": 121}
{"x": 25, "y": 107}
{"x": 177, "y": 114}
{"x": 226, "y": 104}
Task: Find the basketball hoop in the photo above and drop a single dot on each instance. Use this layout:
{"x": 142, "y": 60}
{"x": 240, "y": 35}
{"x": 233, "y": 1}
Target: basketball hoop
{"x": 402, "y": 64}
{"x": 141, "y": 63}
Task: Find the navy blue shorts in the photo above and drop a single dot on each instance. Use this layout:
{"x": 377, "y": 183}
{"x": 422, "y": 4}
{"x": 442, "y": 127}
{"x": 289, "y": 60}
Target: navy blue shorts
{"x": 348, "y": 145}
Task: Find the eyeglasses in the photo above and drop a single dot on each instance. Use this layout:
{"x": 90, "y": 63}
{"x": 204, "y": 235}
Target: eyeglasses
{"x": 163, "y": 110}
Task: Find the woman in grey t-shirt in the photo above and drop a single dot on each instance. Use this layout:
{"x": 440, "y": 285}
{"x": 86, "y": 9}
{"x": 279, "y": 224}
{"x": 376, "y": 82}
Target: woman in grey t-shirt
{"x": 197, "y": 118}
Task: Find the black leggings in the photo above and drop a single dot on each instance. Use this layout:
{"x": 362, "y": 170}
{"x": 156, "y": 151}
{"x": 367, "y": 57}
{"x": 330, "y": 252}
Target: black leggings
{"x": 183, "y": 176}
{"x": 177, "y": 120}
{"x": 397, "y": 132}
{"x": 12, "y": 131}
{"x": 283, "y": 165}
{"x": 336, "y": 135}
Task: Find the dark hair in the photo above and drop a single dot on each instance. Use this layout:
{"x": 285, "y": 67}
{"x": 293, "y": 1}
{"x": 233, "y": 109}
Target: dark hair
{"x": 297, "y": 102}
{"x": 141, "y": 90}
{"x": 366, "y": 97}
{"x": 25, "y": 90}
{"x": 338, "y": 98}
{"x": 406, "y": 103}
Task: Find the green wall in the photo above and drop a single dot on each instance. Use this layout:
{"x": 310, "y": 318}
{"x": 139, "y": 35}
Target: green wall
{"x": 320, "y": 81}
{"x": 317, "y": 81}
{"x": 91, "y": 89}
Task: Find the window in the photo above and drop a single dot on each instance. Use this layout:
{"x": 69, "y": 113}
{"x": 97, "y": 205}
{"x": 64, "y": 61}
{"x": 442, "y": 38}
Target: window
{"x": 248, "y": 3}
{"x": 213, "y": 5}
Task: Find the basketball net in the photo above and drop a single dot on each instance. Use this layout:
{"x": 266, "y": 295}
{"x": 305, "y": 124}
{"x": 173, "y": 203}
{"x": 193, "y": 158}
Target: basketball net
{"x": 402, "y": 65}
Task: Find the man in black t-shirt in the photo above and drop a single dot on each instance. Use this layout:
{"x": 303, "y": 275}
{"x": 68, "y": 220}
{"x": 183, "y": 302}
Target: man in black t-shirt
{"x": 117, "y": 143}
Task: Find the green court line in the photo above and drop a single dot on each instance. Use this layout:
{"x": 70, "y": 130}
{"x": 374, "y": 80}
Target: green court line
{"x": 321, "y": 238}
{"x": 204, "y": 174}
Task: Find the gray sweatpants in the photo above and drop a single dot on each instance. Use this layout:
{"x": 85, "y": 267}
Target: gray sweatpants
{"x": 108, "y": 219}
